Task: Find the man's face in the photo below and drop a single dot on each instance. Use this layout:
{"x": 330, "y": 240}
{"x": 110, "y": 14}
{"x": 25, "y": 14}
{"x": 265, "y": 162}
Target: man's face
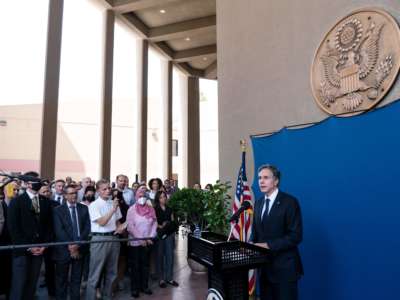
{"x": 59, "y": 186}
{"x": 86, "y": 182}
{"x": 166, "y": 183}
{"x": 70, "y": 195}
{"x": 45, "y": 191}
{"x": 266, "y": 181}
{"x": 104, "y": 191}
{"x": 122, "y": 182}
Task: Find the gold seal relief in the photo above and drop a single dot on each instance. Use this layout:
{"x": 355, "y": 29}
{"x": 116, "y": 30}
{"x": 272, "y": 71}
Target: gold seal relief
{"x": 357, "y": 62}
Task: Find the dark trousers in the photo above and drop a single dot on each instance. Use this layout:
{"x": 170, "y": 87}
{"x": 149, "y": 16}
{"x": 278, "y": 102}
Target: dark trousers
{"x": 5, "y": 272}
{"x": 278, "y": 291}
{"x": 139, "y": 267}
{"x": 25, "y": 275}
{"x": 63, "y": 268}
{"x": 50, "y": 272}
{"x": 85, "y": 267}
{"x": 165, "y": 258}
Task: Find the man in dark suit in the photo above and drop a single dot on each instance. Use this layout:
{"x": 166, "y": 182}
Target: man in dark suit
{"x": 71, "y": 223}
{"x": 5, "y": 255}
{"x": 49, "y": 264}
{"x": 277, "y": 226}
{"x": 29, "y": 222}
{"x": 59, "y": 191}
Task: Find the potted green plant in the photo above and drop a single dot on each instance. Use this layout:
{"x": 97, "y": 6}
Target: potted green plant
{"x": 201, "y": 210}
{"x": 207, "y": 209}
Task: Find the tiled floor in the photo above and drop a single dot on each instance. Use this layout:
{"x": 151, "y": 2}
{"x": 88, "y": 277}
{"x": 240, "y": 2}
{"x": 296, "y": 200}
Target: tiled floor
{"x": 192, "y": 286}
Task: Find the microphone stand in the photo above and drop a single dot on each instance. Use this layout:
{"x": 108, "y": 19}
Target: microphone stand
{"x": 231, "y": 231}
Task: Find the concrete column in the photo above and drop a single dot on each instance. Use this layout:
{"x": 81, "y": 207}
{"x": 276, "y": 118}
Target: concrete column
{"x": 143, "y": 112}
{"x": 106, "y": 123}
{"x": 51, "y": 84}
{"x": 169, "y": 120}
{"x": 193, "y": 154}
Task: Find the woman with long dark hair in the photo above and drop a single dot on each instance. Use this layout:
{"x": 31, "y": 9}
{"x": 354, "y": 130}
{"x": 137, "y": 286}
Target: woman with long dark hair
{"x": 165, "y": 246}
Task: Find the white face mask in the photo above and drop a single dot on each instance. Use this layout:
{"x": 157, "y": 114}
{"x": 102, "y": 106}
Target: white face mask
{"x": 142, "y": 201}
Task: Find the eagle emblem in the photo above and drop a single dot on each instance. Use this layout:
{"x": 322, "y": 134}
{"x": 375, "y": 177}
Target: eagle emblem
{"x": 357, "y": 62}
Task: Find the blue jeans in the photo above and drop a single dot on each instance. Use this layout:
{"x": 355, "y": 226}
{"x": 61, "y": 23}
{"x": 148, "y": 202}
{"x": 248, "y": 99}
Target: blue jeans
{"x": 165, "y": 258}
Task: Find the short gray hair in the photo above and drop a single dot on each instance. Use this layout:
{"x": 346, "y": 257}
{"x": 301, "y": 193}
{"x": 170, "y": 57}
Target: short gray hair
{"x": 101, "y": 182}
{"x": 274, "y": 170}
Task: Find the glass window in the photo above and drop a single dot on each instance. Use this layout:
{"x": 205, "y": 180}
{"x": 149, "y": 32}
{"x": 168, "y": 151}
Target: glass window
{"x": 23, "y": 31}
{"x": 156, "y": 127}
{"x": 209, "y": 158}
{"x": 179, "y": 123}
{"x": 80, "y": 95}
{"x": 126, "y": 92}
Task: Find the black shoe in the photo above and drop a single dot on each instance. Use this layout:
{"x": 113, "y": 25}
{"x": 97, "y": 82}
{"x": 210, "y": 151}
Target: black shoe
{"x": 162, "y": 284}
{"x": 135, "y": 294}
{"x": 173, "y": 283}
{"x": 148, "y": 292}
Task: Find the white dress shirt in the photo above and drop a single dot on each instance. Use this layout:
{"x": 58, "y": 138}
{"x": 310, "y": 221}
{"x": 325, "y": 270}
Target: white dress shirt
{"x": 129, "y": 198}
{"x": 271, "y": 202}
{"x": 59, "y": 198}
{"x": 76, "y": 214}
{"x": 99, "y": 208}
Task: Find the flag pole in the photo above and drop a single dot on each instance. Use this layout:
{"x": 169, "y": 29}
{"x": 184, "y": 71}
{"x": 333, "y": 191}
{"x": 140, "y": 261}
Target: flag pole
{"x": 243, "y": 217}
{"x": 243, "y": 149}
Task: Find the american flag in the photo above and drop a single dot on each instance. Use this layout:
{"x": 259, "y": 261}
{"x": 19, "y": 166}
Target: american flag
{"x": 242, "y": 230}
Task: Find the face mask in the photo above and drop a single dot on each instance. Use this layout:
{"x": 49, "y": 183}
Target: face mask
{"x": 21, "y": 191}
{"x": 90, "y": 198}
{"x": 142, "y": 200}
{"x": 36, "y": 186}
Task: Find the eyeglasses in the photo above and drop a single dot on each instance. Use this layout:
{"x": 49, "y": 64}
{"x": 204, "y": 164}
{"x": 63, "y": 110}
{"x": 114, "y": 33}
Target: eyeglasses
{"x": 73, "y": 193}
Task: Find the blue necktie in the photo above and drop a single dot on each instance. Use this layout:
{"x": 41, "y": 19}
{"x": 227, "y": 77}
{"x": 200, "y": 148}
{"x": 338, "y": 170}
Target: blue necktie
{"x": 266, "y": 204}
{"x": 74, "y": 224}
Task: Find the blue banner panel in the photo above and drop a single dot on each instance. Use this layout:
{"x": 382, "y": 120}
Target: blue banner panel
{"x": 346, "y": 174}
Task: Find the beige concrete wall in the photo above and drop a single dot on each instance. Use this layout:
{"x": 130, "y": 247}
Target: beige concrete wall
{"x": 265, "y": 51}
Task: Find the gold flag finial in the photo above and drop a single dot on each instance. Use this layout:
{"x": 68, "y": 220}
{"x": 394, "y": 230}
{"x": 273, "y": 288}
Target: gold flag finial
{"x": 243, "y": 145}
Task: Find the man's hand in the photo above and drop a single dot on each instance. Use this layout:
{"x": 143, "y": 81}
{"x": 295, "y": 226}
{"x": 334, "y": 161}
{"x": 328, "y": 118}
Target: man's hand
{"x": 74, "y": 251}
{"x": 121, "y": 228}
{"x": 262, "y": 245}
{"x": 115, "y": 204}
{"x": 73, "y": 247}
{"x": 36, "y": 251}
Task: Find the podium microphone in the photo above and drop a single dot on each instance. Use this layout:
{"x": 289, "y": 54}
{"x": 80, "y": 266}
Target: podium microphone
{"x": 235, "y": 217}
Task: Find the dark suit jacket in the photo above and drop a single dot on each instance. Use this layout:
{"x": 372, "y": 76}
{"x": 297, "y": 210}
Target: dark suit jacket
{"x": 5, "y": 238}
{"x": 63, "y": 229}
{"x": 24, "y": 226}
{"x": 282, "y": 230}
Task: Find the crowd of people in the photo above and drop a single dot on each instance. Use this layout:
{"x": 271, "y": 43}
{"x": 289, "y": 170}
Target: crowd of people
{"x": 34, "y": 212}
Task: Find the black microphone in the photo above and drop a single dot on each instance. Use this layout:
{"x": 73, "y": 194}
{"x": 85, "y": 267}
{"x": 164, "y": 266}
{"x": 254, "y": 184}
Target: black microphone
{"x": 246, "y": 205}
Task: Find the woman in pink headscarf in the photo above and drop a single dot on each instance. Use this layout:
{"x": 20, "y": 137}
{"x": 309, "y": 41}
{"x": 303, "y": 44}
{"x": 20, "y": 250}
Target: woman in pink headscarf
{"x": 141, "y": 223}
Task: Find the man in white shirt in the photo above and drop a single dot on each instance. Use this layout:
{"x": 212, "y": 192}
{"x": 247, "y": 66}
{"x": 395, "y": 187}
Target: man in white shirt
{"x": 104, "y": 216}
{"x": 122, "y": 182}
